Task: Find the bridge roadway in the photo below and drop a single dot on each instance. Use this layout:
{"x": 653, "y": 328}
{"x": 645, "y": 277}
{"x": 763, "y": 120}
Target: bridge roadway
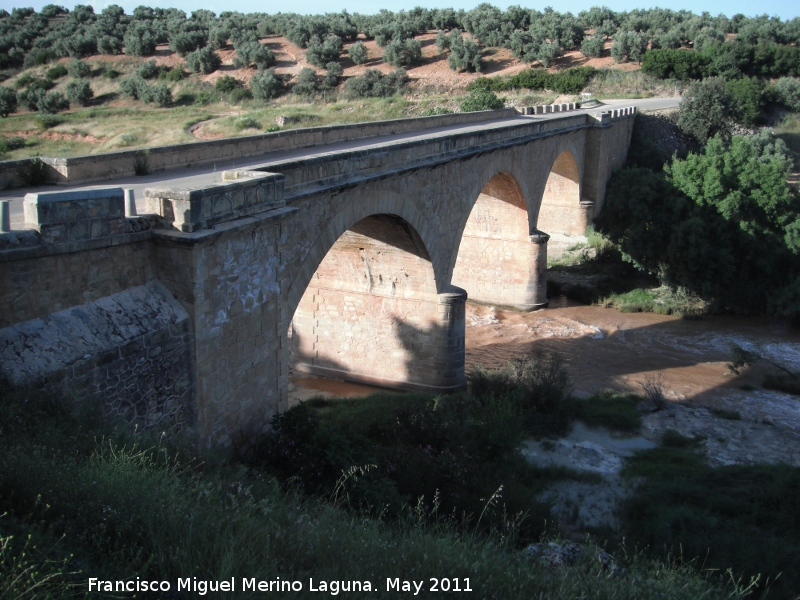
{"x": 204, "y": 175}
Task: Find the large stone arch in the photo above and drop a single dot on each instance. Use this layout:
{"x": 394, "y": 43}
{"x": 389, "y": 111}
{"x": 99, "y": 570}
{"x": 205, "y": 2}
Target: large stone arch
{"x": 497, "y": 260}
{"x": 559, "y": 209}
{"x": 371, "y": 309}
{"x": 385, "y": 202}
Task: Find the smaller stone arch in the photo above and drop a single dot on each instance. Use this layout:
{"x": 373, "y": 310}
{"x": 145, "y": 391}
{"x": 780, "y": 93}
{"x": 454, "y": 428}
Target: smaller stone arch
{"x": 498, "y": 260}
{"x": 560, "y": 209}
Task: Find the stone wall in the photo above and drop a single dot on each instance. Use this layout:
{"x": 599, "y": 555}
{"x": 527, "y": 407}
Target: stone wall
{"x": 128, "y": 352}
{"x": 85, "y": 169}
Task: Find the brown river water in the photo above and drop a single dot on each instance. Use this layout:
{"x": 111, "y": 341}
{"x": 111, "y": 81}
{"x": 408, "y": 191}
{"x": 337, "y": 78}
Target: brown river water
{"x": 606, "y": 349}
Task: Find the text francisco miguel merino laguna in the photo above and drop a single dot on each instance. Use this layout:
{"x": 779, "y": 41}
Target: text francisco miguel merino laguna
{"x": 202, "y": 586}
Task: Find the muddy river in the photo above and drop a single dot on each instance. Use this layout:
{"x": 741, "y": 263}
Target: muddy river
{"x": 606, "y": 349}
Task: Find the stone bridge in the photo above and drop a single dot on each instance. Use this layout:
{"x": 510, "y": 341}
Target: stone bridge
{"x": 354, "y": 264}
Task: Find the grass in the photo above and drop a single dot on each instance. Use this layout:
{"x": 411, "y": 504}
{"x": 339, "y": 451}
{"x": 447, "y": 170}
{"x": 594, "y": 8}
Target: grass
{"x": 745, "y": 519}
{"x": 729, "y": 415}
{"x": 780, "y": 382}
{"x": 617, "y": 412}
{"x": 101, "y": 501}
{"x": 662, "y": 300}
{"x": 615, "y": 83}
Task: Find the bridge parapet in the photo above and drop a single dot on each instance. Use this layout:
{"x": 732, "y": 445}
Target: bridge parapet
{"x": 241, "y": 193}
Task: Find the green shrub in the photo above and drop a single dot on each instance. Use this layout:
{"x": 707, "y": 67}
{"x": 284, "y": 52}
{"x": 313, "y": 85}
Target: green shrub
{"x": 570, "y": 81}
{"x": 79, "y": 92}
{"x": 227, "y": 84}
{"x": 481, "y": 100}
{"x": 78, "y": 69}
{"x": 333, "y": 76}
{"x": 358, "y": 53}
{"x": 56, "y": 72}
{"x": 705, "y": 110}
{"x": 253, "y": 53}
{"x": 174, "y": 75}
{"x": 148, "y": 70}
{"x": 465, "y": 55}
{"x": 8, "y": 101}
{"x": 246, "y": 122}
{"x": 675, "y": 64}
{"x": 613, "y": 411}
{"x": 403, "y": 53}
{"x": 52, "y": 102}
{"x": 109, "y": 44}
{"x": 46, "y": 121}
{"x": 320, "y": 54}
{"x": 786, "y": 91}
{"x": 307, "y": 82}
{"x": 239, "y": 95}
{"x": 592, "y": 46}
{"x": 265, "y": 85}
{"x": 159, "y": 95}
{"x": 738, "y": 518}
{"x": 139, "y": 39}
{"x": 111, "y": 73}
{"x": 374, "y": 84}
{"x": 7, "y": 144}
{"x": 203, "y": 61}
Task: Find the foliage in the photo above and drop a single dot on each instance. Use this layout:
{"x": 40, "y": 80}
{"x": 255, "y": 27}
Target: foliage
{"x": 226, "y": 84}
{"x": 451, "y": 451}
{"x": 742, "y": 518}
{"x": 481, "y": 100}
{"x": 306, "y": 83}
{"x": 592, "y": 46}
{"x": 8, "y": 101}
{"x": 253, "y": 53}
{"x": 607, "y": 409}
{"x": 246, "y": 122}
{"x": 403, "y": 53}
{"x": 101, "y": 502}
{"x": 265, "y": 85}
{"x": 138, "y": 89}
{"x": 786, "y": 91}
{"x": 139, "y": 40}
{"x": 705, "y": 112}
{"x": 79, "y": 92}
{"x": 203, "y": 61}
{"x": 628, "y": 46}
{"x": 358, "y": 53}
{"x": 674, "y": 64}
{"x": 720, "y": 223}
{"x": 141, "y": 163}
{"x": 56, "y": 72}
{"x": 374, "y": 84}
{"x": 465, "y": 54}
{"x": 52, "y": 102}
{"x": 320, "y": 53}
{"x": 79, "y": 69}
{"x": 570, "y": 81}
{"x": 148, "y": 70}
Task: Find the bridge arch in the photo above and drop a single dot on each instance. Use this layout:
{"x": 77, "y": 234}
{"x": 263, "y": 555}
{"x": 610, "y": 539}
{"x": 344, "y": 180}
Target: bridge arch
{"x": 559, "y": 210}
{"x": 497, "y": 259}
{"x": 371, "y": 311}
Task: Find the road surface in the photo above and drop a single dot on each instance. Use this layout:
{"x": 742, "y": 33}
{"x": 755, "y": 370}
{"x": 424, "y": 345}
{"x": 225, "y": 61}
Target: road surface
{"x": 207, "y": 174}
